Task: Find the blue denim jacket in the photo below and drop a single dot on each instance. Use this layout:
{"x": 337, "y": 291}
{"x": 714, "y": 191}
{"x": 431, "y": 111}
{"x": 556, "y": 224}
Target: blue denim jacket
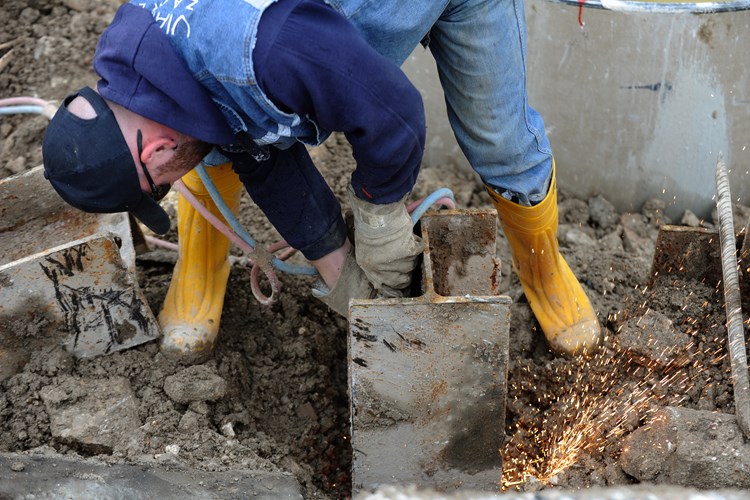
{"x": 216, "y": 39}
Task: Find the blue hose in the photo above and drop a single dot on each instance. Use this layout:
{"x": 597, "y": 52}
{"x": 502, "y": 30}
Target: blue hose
{"x": 241, "y": 232}
{"x": 11, "y": 110}
{"x": 429, "y": 201}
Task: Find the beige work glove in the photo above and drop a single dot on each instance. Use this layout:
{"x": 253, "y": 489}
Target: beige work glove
{"x": 385, "y": 244}
{"x": 352, "y": 284}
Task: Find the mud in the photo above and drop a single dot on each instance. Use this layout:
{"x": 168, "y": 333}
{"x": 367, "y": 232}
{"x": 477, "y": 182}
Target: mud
{"x": 274, "y": 395}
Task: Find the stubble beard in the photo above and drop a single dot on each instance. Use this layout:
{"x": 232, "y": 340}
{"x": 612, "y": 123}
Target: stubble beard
{"x": 186, "y": 157}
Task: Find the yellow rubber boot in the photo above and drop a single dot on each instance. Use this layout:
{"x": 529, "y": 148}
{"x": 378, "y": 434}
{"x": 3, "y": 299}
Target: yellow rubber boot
{"x": 555, "y": 295}
{"x": 192, "y": 309}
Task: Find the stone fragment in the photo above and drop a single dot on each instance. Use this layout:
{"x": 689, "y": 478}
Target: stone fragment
{"x": 603, "y": 213}
{"x": 576, "y": 237}
{"x": 195, "y": 383}
{"x": 96, "y": 415}
{"x": 690, "y": 219}
{"x": 615, "y": 476}
{"x": 172, "y": 449}
{"x": 227, "y": 430}
{"x": 573, "y": 211}
{"x": 612, "y": 241}
{"x": 652, "y": 338}
{"x": 654, "y": 209}
{"x": 192, "y": 422}
{"x": 80, "y": 5}
{"x": 636, "y": 237}
{"x": 690, "y": 448}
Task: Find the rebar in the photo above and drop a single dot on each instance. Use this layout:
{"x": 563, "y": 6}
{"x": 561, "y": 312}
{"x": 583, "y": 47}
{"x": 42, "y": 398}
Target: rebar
{"x": 732, "y": 299}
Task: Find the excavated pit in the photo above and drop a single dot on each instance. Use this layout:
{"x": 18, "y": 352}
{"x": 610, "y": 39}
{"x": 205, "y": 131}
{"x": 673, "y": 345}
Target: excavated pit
{"x": 274, "y": 396}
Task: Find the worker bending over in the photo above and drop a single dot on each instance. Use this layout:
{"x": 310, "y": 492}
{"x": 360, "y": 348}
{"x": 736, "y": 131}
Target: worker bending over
{"x": 248, "y": 83}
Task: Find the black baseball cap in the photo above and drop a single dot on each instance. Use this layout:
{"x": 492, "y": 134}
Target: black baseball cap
{"x": 89, "y": 164}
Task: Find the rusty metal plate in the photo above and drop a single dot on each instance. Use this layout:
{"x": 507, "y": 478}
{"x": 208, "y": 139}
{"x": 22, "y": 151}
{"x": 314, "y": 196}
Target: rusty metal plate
{"x": 461, "y": 252}
{"x": 745, "y": 268}
{"x": 428, "y": 374}
{"x": 81, "y": 296}
{"x": 66, "y": 277}
{"x": 687, "y": 253}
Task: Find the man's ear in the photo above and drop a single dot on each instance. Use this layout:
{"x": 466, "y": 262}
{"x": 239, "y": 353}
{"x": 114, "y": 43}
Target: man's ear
{"x": 158, "y": 150}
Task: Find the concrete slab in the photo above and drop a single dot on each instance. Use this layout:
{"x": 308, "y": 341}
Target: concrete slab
{"x": 46, "y": 477}
{"x": 690, "y": 448}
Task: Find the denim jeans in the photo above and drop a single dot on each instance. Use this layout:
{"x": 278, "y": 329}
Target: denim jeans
{"x": 480, "y": 50}
{"x": 479, "y": 47}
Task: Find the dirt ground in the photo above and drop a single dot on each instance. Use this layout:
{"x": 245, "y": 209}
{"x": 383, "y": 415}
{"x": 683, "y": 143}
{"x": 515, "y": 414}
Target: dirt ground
{"x": 283, "y": 403}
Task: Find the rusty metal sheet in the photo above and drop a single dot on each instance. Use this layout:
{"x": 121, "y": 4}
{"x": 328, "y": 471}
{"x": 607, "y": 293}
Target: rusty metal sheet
{"x": 687, "y": 253}
{"x": 462, "y": 248}
{"x": 428, "y": 374}
{"x": 66, "y": 277}
{"x": 693, "y": 253}
{"x": 80, "y": 296}
{"x": 745, "y": 268}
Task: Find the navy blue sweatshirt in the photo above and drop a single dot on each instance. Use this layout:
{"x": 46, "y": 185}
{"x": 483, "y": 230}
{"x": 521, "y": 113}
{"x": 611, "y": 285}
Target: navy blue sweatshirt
{"x": 310, "y": 60}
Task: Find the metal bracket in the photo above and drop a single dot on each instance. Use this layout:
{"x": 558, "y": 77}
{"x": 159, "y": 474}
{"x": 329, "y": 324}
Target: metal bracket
{"x": 428, "y": 374}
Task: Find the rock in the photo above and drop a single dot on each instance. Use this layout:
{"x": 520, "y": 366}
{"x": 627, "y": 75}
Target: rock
{"x": 615, "y": 476}
{"x": 29, "y": 15}
{"x": 47, "y": 46}
{"x": 690, "y": 219}
{"x": 652, "y": 338}
{"x": 635, "y": 235}
{"x": 596, "y": 479}
{"x": 654, "y": 211}
{"x": 307, "y": 411}
{"x": 576, "y": 237}
{"x": 17, "y": 466}
{"x": 612, "y": 242}
{"x": 603, "y": 213}
{"x": 195, "y": 383}
{"x": 199, "y": 407}
{"x": 80, "y": 5}
{"x": 172, "y": 449}
{"x": 97, "y": 415}
{"x": 573, "y": 211}
{"x": 191, "y": 422}
{"x": 690, "y": 448}
{"x": 17, "y": 165}
{"x": 227, "y": 430}
{"x": 533, "y": 485}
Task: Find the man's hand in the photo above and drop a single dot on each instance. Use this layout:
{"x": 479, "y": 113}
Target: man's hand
{"x": 385, "y": 244}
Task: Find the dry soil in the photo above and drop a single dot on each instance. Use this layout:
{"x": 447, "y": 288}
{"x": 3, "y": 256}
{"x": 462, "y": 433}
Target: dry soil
{"x": 274, "y": 395}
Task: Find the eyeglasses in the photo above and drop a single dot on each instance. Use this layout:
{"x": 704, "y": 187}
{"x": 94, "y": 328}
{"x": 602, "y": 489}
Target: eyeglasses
{"x": 157, "y": 192}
